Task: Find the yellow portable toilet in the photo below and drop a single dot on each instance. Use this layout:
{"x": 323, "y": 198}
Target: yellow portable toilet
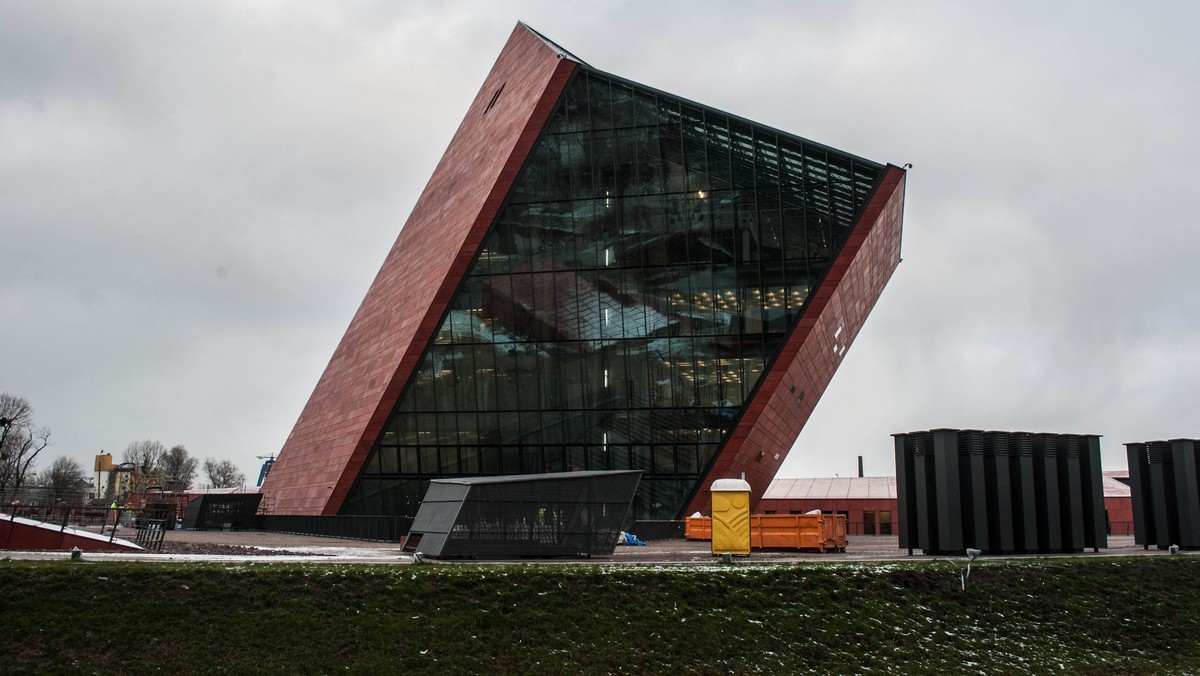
{"x": 730, "y": 517}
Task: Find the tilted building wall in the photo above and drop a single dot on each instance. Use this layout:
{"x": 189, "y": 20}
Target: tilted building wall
{"x": 599, "y": 276}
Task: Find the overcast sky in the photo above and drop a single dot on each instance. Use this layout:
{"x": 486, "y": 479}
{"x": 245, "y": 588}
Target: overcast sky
{"x": 194, "y": 198}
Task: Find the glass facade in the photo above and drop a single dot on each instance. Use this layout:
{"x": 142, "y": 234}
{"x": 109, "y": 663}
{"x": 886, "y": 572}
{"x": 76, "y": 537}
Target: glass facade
{"x": 644, "y": 271}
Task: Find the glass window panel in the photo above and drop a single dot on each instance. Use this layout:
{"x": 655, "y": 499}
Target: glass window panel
{"x": 552, "y": 386}
{"x": 447, "y": 428}
{"x": 604, "y": 162}
{"x": 489, "y": 460}
{"x": 694, "y": 138}
{"x": 795, "y": 241}
{"x": 576, "y": 104}
{"x": 429, "y": 459}
{"x": 528, "y": 383}
{"x": 742, "y": 156}
{"x": 489, "y": 427}
{"x": 444, "y": 377}
{"x": 468, "y": 427}
{"x": 409, "y": 460}
{"x": 771, "y": 234}
{"x": 422, "y": 388}
{"x": 618, "y": 457}
{"x": 747, "y": 233}
{"x": 668, "y": 111}
{"x": 599, "y": 102}
{"x": 389, "y": 463}
{"x": 597, "y": 458}
{"x": 671, "y": 152}
{"x": 651, "y": 166}
{"x": 372, "y": 466}
{"x": 623, "y": 102}
{"x": 485, "y": 377}
{"x": 557, "y": 168}
{"x": 645, "y": 109}
{"x": 570, "y": 381}
{"x": 449, "y": 461}
{"x": 509, "y": 426}
{"x": 590, "y": 251}
{"x": 388, "y": 496}
{"x": 426, "y": 424}
{"x": 604, "y": 213}
{"x": 406, "y": 428}
{"x": 579, "y": 156}
{"x": 576, "y": 458}
{"x": 553, "y": 428}
{"x": 664, "y": 460}
{"x": 658, "y": 496}
{"x": 531, "y": 460}
{"x": 412, "y": 491}
{"x": 686, "y": 460}
{"x": 388, "y": 436}
{"x": 554, "y": 459}
{"x": 371, "y": 490}
{"x": 506, "y": 380}
{"x": 510, "y": 459}
{"x": 820, "y": 246}
{"x": 558, "y": 123}
{"x": 628, "y": 174}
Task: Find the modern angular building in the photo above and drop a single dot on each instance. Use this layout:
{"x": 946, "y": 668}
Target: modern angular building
{"x": 598, "y": 276}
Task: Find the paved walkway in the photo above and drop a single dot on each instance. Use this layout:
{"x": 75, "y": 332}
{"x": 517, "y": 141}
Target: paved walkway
{"x": 265, "y": 547}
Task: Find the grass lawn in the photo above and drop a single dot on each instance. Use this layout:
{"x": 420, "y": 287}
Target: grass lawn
{"x": 1078, "y": 615}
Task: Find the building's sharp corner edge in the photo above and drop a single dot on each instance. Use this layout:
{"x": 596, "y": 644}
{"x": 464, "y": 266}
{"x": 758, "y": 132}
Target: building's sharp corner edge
{"x": 562, "y": 51}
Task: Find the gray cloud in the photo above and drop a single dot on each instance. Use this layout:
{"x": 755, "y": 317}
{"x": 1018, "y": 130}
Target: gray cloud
{"x": 195, "y": 197}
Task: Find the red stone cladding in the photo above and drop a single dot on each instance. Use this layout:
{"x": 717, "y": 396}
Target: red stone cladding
{"x": 323, "y": 455}
{"x": 790, "y": 390}
{"x": 19, "y": 535}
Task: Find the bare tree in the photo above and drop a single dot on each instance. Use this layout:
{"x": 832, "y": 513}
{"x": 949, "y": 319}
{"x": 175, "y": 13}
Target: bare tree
{"x": 20, "y": 441}
{"x": 66, "y": 480}
{"x": 145, "y": 457}
{"x": 178, "y": 469}
{"x": 15, "y": 410}
{"x": 223, "y": 473}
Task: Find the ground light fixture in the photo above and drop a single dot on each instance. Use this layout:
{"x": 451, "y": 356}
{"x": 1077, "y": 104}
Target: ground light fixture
{"x": 972, "y": 554}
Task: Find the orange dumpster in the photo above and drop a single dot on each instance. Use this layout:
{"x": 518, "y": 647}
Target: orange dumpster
{"x": 820, "y": 532}
{"x": 698, "y": 528}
